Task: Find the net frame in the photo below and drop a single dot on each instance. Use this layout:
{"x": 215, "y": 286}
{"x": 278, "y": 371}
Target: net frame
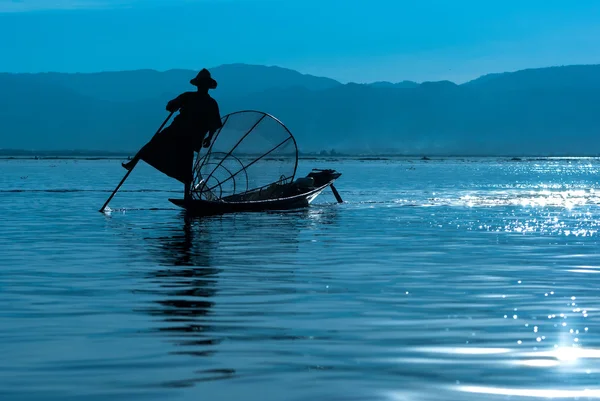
{"x": 202, "y": 191}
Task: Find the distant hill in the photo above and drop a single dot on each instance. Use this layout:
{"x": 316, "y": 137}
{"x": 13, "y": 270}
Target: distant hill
{"x": 403, "y": 84}
{"x": 568, "y": 77}
{"x": 548, "y": 111}
{"x": 234, "y": 79}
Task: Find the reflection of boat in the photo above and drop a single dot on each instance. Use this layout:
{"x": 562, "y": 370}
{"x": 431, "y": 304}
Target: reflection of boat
{"x": 183, "y": 288}
{"x": 257, "y": 171}
{"x": 202, "y": 291}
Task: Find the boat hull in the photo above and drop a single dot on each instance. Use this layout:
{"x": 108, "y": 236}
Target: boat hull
{"x": 198, "y": 207}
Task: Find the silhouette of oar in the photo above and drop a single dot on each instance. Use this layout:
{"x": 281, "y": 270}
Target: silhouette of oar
{"x": 131, "y": 169}
{"x": 336, "y": 194}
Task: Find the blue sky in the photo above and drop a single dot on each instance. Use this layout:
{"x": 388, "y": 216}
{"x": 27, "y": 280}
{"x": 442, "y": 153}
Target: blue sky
{"x": 350, "y": 40}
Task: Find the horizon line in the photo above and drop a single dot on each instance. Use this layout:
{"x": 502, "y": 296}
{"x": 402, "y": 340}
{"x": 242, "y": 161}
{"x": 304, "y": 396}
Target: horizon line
{"x": 108, "y": 154}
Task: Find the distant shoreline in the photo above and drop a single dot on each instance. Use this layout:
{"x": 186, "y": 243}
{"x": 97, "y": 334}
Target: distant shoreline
{"x": 12, "y": 154}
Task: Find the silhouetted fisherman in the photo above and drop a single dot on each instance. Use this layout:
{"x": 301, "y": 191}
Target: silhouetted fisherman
{"x": 171, "y": 151}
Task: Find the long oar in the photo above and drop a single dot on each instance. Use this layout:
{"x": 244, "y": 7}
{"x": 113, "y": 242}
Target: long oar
{"x": 131, "y": 169}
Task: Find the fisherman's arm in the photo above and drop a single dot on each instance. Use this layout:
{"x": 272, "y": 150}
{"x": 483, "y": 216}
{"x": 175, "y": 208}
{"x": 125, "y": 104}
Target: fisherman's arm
{"x": 175, "y": 104}
{"x": 216, "y": 124}
{"x": 208, "y": 139}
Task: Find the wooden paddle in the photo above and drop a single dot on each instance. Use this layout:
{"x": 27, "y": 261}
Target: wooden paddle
{"x": 131, "y": 169}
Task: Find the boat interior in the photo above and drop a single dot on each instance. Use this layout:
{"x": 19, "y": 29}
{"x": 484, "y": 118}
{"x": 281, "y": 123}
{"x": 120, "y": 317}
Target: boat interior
{"x": 315, "y": 179}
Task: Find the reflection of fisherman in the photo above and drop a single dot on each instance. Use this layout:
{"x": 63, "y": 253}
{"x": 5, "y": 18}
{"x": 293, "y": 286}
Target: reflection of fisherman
{"x": 172, "y": 150}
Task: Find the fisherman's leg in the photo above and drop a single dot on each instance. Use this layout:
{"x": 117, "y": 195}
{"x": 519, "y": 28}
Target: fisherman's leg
{"x": 187, "y": 191}
{"x": 190, "y": 174}
{"x": 131, "y": 163}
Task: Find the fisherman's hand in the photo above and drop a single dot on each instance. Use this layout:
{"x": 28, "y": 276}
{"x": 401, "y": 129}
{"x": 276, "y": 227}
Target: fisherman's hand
{"x": 171, "y": 107}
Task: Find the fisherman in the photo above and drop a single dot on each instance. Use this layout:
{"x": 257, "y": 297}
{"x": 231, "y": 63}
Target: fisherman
{"x": 171, "y": 151}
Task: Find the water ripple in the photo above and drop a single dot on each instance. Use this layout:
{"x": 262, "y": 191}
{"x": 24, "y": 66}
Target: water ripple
{"x": 443, "y": 279}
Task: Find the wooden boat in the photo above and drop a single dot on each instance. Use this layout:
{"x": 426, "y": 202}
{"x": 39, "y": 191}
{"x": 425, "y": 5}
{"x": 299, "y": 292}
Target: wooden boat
{"x": 286, "y": 197}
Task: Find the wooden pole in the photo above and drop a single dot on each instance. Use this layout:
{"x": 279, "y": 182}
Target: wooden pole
{"x": 336, "y": 194}
{"x": 129, "y": 171}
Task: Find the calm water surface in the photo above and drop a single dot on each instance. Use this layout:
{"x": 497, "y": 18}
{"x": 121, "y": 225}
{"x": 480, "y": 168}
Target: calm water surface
{"x": 456, "y": 279}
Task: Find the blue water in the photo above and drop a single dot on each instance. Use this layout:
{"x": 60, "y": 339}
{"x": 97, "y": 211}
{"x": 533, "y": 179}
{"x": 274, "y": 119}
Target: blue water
{"x": 456, "y": 279}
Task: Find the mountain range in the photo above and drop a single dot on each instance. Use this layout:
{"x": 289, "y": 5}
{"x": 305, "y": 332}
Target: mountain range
{"x": 535, "y": 112}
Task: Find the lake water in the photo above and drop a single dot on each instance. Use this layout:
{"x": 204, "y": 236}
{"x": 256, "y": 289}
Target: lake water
{"x": 454, "y": 279}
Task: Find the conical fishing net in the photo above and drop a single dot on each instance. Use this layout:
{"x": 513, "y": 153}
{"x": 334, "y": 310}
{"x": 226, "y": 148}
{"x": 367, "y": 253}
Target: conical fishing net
{"x": 251, "y": 155}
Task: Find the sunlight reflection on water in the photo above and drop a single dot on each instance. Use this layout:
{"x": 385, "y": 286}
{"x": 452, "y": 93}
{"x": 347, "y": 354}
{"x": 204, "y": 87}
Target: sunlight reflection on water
{"x": 442, "y": 279}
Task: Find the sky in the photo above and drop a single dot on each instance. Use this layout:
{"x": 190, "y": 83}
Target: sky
{"x": 348, "y": 40}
